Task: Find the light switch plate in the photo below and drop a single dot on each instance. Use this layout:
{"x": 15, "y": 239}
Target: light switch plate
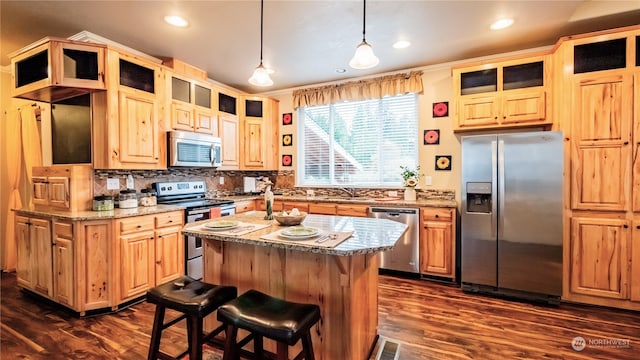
{"x": 221, "y": 180}
{"x": 113, "y": 183}
{"x": 427, "y": 180}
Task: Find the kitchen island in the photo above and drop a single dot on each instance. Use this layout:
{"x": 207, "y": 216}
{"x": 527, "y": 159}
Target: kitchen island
{"x": 341, "y": 279}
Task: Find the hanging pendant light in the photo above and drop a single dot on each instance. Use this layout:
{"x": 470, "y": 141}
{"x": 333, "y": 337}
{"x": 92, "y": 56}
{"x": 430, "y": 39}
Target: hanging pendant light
{"x": 260, "y": 75}
{"x": 364, "y": 57}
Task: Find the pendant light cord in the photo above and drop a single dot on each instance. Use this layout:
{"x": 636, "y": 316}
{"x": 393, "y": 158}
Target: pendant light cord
{"x": 364, "y": 17}
{"x": 261, "y": 27}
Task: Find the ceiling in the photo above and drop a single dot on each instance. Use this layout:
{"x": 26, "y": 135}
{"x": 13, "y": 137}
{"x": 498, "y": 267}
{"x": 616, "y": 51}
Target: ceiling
{"x": 306, "y": 41}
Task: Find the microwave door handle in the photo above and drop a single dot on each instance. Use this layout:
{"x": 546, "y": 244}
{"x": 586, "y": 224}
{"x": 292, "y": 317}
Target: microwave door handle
{"x": 212, "y": 154}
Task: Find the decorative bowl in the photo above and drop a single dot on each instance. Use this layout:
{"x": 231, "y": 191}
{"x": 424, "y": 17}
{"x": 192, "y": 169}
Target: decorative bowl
{"x": 289, "y": 219}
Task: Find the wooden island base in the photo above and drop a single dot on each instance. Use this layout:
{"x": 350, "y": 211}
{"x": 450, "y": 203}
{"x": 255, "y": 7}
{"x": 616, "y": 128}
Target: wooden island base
{"x": 345, "y": 288}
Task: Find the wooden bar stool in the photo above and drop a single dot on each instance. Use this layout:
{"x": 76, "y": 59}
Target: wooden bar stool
{"x": 265, "y": 316}
{"x": 195, "y": 300}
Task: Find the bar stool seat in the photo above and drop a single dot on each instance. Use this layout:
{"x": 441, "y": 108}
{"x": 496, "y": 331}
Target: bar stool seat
{"x": 195, "y": 300}
{"x": 266, "y": 316}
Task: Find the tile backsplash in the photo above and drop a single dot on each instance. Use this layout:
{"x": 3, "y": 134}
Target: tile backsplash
{"x": 284, "y": 183}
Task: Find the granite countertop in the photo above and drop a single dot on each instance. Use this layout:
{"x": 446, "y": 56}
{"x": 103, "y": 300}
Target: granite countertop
{"x": 99, "y": 215}
{"x": 382, "y": 202}
{"x": 369, "y": 235}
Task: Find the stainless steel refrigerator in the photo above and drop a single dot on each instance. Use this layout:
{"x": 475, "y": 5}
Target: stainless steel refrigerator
{"x": 511, "y": 216}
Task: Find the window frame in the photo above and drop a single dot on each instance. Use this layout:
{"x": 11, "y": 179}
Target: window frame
{"x": 411, "y": 162}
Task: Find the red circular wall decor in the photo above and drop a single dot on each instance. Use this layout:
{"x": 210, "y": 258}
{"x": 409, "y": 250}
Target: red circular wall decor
{"x": 432, "y": 137}
{"x": 287, "y": 160}
{"x": 441, "y": 109}
{"x": 287, "y": 119}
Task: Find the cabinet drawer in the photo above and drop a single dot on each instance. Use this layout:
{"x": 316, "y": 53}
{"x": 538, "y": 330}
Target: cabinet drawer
{"x": 63, "y": 230}
{"x": 135, "y": 224}
{"x": 169, "y": 219}
{"x": 352, "y": 210}
{"x": 322, "y": 208}
{"x": 290, "y": 205}
{"x": 244, "y": 206}
{"x": 431, "y": 214}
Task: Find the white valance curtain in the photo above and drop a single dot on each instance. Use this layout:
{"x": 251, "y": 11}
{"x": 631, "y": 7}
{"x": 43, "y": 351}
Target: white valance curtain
{"x": 374, "y": 88}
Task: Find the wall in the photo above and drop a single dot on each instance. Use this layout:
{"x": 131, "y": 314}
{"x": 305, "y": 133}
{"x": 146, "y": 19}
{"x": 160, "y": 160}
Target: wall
{"x": 5, "y": 100}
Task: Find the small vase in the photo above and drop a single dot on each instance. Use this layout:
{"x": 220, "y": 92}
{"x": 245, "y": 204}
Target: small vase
{"x": 409, "y": 194}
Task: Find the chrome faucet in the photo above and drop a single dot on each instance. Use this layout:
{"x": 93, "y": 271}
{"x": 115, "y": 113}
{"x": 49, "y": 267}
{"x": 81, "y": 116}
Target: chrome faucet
{"x": 350, "y": 191}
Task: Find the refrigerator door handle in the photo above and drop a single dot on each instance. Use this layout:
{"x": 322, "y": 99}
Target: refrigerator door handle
{"x": 494, "y": 187}
{"x": 501, "y": 185}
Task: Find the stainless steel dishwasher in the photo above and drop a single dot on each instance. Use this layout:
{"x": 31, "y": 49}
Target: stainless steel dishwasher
{"x": 405, "y": 256}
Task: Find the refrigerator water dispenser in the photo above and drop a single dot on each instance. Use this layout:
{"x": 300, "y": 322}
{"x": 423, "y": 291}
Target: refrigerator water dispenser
{"x": 479, "y": 197}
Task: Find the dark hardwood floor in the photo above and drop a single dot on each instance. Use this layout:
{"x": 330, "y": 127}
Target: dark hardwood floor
{"x": 426, "y": 320}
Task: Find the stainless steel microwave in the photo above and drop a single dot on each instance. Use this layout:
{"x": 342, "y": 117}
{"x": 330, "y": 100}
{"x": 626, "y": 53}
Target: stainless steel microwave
{"x": 193, "y": 149}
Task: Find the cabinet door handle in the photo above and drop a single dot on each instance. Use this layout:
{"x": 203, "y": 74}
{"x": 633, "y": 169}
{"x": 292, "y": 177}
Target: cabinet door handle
{"x": 626, "y": 143}
{"x": 625, "y": 226}
{"x": 638, "y": 227}
{"x": 437, "y": 216}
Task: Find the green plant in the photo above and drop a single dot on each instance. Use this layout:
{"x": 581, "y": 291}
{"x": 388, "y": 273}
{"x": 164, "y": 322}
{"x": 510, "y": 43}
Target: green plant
{"x": 411, "y": 177}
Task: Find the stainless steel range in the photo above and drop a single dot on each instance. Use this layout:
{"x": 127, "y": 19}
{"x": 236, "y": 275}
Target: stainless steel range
{"x": 192, "y": 195}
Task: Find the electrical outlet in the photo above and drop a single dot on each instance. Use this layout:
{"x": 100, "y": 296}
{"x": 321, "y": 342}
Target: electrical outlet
{"x": 130, "y": 183}
{"x": 113, "y": 183}
{"x": 427, "y": 180}
{"x": 392, "y": 193}
{"x": 221, "y": 180}
{"x": 310, "y": 193}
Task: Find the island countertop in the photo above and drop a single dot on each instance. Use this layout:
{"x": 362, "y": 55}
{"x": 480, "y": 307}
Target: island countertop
{"x": 369, "y": 235}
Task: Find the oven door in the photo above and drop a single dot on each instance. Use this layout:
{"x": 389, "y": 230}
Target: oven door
{"x": 194, "y": 244}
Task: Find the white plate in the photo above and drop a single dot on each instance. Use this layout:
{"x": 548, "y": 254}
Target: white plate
{"x": 299, "y": 232}
{"x": 221, "y": 224}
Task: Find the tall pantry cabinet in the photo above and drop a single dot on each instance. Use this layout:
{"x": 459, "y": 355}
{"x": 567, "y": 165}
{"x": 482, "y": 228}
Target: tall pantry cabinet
{"x": 600, "y": 78}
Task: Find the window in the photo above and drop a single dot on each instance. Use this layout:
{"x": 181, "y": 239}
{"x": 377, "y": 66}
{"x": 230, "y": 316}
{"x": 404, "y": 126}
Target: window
{"x": 359, "y": 143}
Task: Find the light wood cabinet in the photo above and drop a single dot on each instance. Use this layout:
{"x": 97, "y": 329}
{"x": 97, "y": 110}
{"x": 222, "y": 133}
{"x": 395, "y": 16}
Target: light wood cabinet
{"x": 323, "y": 208}
{"x": 502, "y": 94}
{"x": 230, "y": 135}
{"x": 635, "y": 260}
{"x": 259, "y": 129}
{"x": 601, "y": 158}
{"x": 151, "y": 252}
{"x": 34, "y": 262}
{"x": 63, "y": 264}
{"x": 95, "y": 263}
{"x": 600, "y": 257}
{"x": 136, "y": 256}
{"x": 601, "y": 75}
{"x": 191, "y": 105}
{"x": 358, "y": 210}
{"x": 56, "y": 69}
{"x": 438, "y": 242}
{"x": 128, "y": 121}
{"x": 245, "y": 206}
{"x": 62, "y": 187}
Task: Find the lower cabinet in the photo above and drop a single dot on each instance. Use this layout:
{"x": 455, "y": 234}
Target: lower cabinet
{"x": 244, "y": 206}
{"x": 600, "y": 259}
{"x": 438, "y": 242}
{"x": 34, "y": 250}
{"x": 151, "y": 252}
{"x": 98, "y": 264}
{"x": 63, "y": 262}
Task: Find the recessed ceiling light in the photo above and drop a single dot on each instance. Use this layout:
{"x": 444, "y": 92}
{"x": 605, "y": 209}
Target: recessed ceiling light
{"x": 341, "y": 70}
{"x": 176, "y": 20}
{"x": 501, "y": 24}
{"x": 402, "y": 44}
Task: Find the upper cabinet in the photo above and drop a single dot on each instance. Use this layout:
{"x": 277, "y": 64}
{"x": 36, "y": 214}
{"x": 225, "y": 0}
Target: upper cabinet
{"x": 259, "y": 129}
{"x": 502, "y": 94}
{"x": 229, "y": 129}
{"x": 129, "y": 125}
{"x": 56, "y": 69}
{"x": 191, "y": 104}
